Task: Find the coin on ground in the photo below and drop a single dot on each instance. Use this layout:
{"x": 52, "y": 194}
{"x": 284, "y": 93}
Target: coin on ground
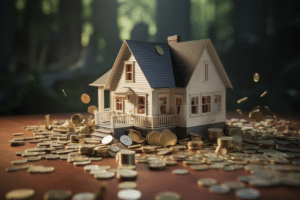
{"x": 57, "y": 195}
{"x": 199, "y": 167}
{"x": 12, "y": 169}
{"x": 20, "y": 194}
{"x": 84, "y": 196}
{"x": 105, "y": 175}
{"x": 17, "y": 162}
{"x": 233, "y": 185}
{"x": 180, "y": 171}
{"x": 107, "y": 139}
{"x": 82, "y": 163}
{"x": 168, "y": 196}
{"x": 127, "y": 185}
{"x": 248, "y": 193}
{"x": 207, "y": 182}
{"x": 219, "y": 189}
{"x": 85, "y": 98}
{"x": 18, "y": 134}
{"x": 126, "y": 140}
{"x": 33, "y": 158}
{"x": 129, "y": 194}
{"x": 45, "y": 170}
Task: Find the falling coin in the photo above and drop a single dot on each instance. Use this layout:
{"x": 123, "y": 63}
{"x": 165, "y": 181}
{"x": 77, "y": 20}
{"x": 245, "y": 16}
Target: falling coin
{"x": 263, "y": 94}
{"x": 256, "y": 77}
{"x": 239, "y": 112}
{"x": 92, "y": 109}
{"x": 64, "y": 93}
{"x": 242, "y": 99}
{"x": 85, "y": 98}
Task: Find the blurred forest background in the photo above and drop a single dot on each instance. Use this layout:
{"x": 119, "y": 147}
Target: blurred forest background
{"x": 47, "y": 46}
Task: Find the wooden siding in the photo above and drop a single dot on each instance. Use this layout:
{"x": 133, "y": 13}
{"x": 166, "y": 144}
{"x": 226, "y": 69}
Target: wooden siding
{"x": 197, "y": 86}
{"x": 140, "y": 85}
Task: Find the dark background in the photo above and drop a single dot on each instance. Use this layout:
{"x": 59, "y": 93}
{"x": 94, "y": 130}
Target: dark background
{"x": 50, "y": 45}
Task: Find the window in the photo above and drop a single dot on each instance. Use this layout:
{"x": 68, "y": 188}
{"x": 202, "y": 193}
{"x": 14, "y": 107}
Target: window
{"x": 163, "y": 105}
{"x": 141, "y": 105}
{"x": 129, "y": 71}
{"x": 217, "y": 103}
{"x": 178, "y": 105}
{"x": 194, "y": 105}
{"x": 119, "y": 103}
{"x": 206, "y": 72}
{"x": 206, "y": 102}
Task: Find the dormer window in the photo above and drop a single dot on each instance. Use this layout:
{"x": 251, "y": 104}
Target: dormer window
{"x": 205, "y": 71}
{"x": 129, "y": 71}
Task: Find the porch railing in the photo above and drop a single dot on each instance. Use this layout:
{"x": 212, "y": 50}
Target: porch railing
{"x": 101, "y": 117}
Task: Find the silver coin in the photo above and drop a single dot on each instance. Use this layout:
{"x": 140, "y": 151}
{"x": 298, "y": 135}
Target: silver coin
{"x": 199, "y": 167}
{"x": 20, "y": 153}
{"x": 12, "y": 169}
{"x": 105, "y": 175}
{"x": 26, "y": 166}
{"x": 180, "y": 171}
{"x": 260, "y": 182}
{"x": 126, "y": 140}
{"x": 219, "y": 189}
{"x": 17, "y": 162}
{"x": 129, "y": 194}
{"x": 107, "y": 139}
{"x": 82, "y": 163}
{"x": 95, "y": 158}
{"x": 35, "y": 141}
{"x": 168, "y": 195}
{"x": 33, "y": 158}
{"x": 45, "y": 170}
{"x": 84, "y": 196}
{"x": 127, "y": 185}
{"x": 233, "y": 185}
{"x": 64, "y": 157}
{"x": 91, "y": 167}
{"x": 29, "y": 154}
{"x": 207, "y": 182}
{"x": 20, "y": 194}
{"x": 57, "y": 195}
{"x": 248, "y": 193}
{"x": 52, "y": 157}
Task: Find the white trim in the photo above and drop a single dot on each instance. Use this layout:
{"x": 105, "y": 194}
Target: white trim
{"x": 190, "y": 105}
{"x": 168, "y": 103}
{"x": 177, "y": 96}
{"x": 133, "y": 71}
{"x": 211, "y": 103}
{"x": 222, "y": 106}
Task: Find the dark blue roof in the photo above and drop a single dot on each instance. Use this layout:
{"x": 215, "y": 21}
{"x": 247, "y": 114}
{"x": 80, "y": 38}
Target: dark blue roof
{"x": 157, "y": 68}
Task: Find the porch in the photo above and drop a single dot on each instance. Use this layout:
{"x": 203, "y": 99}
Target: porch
{"x": 107, "y": 119}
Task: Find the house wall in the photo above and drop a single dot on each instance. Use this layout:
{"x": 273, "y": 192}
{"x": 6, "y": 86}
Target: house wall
{"x": 171, "y": 93}
{"x": 140, "y": 85}
{"x": 197, "y": 86}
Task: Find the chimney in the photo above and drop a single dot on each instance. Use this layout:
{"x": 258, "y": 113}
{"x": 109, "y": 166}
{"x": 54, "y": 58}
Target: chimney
{"x": 173, "y": 39}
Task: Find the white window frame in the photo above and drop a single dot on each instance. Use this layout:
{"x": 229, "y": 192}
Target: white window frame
{"x": 115, "y": 104}
{"x": 133, "y": 71}
{"x": 136, "y": 107}
{"x": 211, "y": 103}
{"x": 175, "y": 105}
{"x": 206, "y": 67}
{"x": 190, "y": 105}
{"x": 167, "y": 105}
{"x": 222, "y": 96}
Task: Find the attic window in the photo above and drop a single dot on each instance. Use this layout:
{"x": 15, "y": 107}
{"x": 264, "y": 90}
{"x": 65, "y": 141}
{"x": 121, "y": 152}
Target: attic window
{"x": 159, "y": 50}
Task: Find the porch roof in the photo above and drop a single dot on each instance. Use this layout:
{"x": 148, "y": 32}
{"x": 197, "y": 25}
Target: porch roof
{"x": 124, "y": 91}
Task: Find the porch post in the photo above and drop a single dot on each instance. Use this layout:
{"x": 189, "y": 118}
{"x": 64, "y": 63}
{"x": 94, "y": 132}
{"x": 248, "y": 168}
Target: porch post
{"x": 101, "y": 99}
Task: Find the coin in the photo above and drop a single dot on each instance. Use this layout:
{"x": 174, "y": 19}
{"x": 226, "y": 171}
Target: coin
{"x": 153, "y": 138}
{"x": 91, "y": 167}
{"x": 127, "y": 185}
{"x": 105, "y": 175}
{"x": 129, "y": 194}
{"x": 85, "y": 98}
{"x": 168, "y": 196}
{"x": 125, "y": 140}
{"x": 17, "y": 162}
{"x": 46, "y": 170}
{"x": 64, "y": 93}
{"x": 18, "y": 134}
{"x": 180, "y": 171}
{"x": 260, "y": 182}
{"x": 233, "y": 185}
{"x": 33, "y": 158}
{"x": 168, "y": 138}
{"x": 219, "y": 189}
{"x": 199, "y": 167}
{"x": 84, "y": 196}
{"x": 242, "y": 99}
{"x": 247, "y": 193}
{"x": 263, "y": 94}
{"x": 239, "y": 112}
{"x": 20, "y": 194}
{"x": 107, "y": 139}
{"x": 12, "y": 169}
{"x": 206, "y": 182}
{"x": 256, "y": 77}
{"x": 135, "y": 135}
{"x": 82, "y": 163}
{"x": 57, "y": 195}
{"x": 92, "y": 109}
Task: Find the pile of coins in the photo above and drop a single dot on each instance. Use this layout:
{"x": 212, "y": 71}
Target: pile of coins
{"x": 225, "y": 145}
{"x": 214, "y": 134}
{"x": 195, "y": 136}
{"x": 195, "y": 145}
{"x": 126, "y": 157}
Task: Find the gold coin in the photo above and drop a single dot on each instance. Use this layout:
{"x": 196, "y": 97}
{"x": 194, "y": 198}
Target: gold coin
{"x": 20, "y": 194}
{"x": 239, "y": 112}
{"x": 154, "y": 138}
{"x": 85, "y": 98}
{"x": 168, "y": 138}
{"x": 242, "y": 99}
{"x": 64, "y": 93}
{"x": 256, "y": 115}
{"x": 92, "y": 109}
{"x": 256, "y": 77}
{"x": 263, "y": 94}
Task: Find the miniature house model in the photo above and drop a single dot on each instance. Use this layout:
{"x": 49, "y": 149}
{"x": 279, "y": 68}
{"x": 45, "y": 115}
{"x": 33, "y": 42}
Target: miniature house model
{"x": 180, "y": 86}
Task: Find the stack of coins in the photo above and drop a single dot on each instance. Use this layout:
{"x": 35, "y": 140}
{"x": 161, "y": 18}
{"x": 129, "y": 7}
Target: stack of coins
{"x": 225, "y": 145}
{"x": 101, "y": 151}
{"x": 214, "y": 134}
{"x": 126, "y": 157}
{"x": 195, "y": 136}
{"x": 195, "y": 145}
{"x": 267, "y": 144}
{"x": 86, "y": 149}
